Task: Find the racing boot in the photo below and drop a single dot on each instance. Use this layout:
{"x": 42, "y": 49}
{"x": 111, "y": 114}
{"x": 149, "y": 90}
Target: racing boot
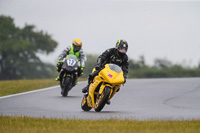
{"x": 85, "y": 89}
{"x": 108, "y": 102}
{"x": 74, "y": 83}
{"x": 118, "y": 90}
{"x": 90, "y": 80}
{"x": 58, "y": 78}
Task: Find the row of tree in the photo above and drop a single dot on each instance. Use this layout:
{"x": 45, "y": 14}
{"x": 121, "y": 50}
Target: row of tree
{"x": 162, "y": 68}
{"x": 19, "y": 48}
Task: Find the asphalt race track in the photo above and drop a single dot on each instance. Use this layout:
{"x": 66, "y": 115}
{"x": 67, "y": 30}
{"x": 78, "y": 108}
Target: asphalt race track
{"x": 139, "y": 99}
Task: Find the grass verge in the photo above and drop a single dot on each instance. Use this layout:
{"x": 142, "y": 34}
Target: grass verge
{"x": 8, "y": 87}
{"x": 35, "y": 125}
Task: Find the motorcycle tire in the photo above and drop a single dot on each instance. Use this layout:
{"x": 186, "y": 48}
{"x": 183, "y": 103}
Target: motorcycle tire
{"x": 102, "y": 99}
{"x": 84, "y": 104}
{"x": 66, "y": 86}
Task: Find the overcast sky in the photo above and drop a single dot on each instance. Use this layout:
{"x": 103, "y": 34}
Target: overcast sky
{"x": 155, "y": 29}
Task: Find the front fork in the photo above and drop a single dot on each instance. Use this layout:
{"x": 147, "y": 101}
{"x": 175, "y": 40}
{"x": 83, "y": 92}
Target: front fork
{"x": 73, "y": 76}
{"x": 114, "y": 88}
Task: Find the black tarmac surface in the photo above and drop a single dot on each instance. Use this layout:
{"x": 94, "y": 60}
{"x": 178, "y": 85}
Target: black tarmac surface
{"x": 139, "y": 99}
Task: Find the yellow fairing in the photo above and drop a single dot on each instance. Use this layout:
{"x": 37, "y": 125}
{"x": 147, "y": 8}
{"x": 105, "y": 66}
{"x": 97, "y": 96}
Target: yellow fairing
{"x": 106, "y": 77}
{"x": 111, "y": 76}
{"x": 92, "y": 88}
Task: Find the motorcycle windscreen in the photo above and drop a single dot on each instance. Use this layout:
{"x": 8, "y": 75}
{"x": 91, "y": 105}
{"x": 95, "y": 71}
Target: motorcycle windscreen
{"x": 73, "y": 57}
{"x": 71, "y": 63}
{"x": 112, "y": 74}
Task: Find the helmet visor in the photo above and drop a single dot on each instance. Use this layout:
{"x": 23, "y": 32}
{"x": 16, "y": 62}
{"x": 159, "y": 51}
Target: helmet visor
{"x": 77, "y": 48}
{"x": 122, "y": 50}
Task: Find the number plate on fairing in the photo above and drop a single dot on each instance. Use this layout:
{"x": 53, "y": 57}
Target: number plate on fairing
{"x": 71, "y": 62}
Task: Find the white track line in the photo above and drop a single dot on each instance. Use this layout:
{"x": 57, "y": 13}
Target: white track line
{"x": 44, "y": 89}
{"x": 23, "y": 93}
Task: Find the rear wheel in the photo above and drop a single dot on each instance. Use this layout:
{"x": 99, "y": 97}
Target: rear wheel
{"x": 103, "y": 98}
{"x": 84, "y": 104}
{"x": 66, "y": 86}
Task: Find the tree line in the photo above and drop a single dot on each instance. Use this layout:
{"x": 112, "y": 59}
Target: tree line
{"x": 161, "y": 68}
{"x": 19, "y": 48}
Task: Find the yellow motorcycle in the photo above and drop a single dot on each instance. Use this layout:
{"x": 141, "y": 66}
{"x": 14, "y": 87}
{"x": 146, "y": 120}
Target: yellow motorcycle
{"x": 103, "y": 88}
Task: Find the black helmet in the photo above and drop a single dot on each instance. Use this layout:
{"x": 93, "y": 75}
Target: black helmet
{"x": 122, "y": 46}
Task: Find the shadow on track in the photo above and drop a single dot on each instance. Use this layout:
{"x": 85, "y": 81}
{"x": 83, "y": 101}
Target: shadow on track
{"x": 68, "y": 97}
{"x": 103, "y": 112}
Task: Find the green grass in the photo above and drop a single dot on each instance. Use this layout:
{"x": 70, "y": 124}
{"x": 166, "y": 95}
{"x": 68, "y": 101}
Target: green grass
{"x": 8, "y": 87}
{"x": 35, "y": 125}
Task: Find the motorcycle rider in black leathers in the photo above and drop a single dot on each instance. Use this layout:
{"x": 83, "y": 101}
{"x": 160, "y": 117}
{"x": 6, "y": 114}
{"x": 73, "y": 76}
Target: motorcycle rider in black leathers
{"x": 116, "y": 56}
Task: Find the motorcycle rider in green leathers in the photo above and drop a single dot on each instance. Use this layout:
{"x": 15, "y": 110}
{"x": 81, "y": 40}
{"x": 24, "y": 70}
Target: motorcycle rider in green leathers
{"x": 75, "y": 49}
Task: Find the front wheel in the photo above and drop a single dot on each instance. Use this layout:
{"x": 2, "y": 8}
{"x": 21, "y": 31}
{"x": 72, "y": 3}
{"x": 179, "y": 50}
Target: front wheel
{"x": 66, "y": 86}
{"x": 103, "y": 98}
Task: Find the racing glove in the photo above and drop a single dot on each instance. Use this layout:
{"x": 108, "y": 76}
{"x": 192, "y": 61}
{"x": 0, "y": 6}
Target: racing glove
{"x": 124, "y": 78}
{"x": 98, "y": 66}
{"x": 81, "y": 72}
{"x": 59, "y": 64}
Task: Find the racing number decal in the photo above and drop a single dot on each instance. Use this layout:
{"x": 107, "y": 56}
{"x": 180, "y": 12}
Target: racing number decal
{"x": 71, "y": 62}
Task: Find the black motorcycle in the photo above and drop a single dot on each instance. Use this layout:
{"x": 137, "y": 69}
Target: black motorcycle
{"x": 68, "y": 74}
